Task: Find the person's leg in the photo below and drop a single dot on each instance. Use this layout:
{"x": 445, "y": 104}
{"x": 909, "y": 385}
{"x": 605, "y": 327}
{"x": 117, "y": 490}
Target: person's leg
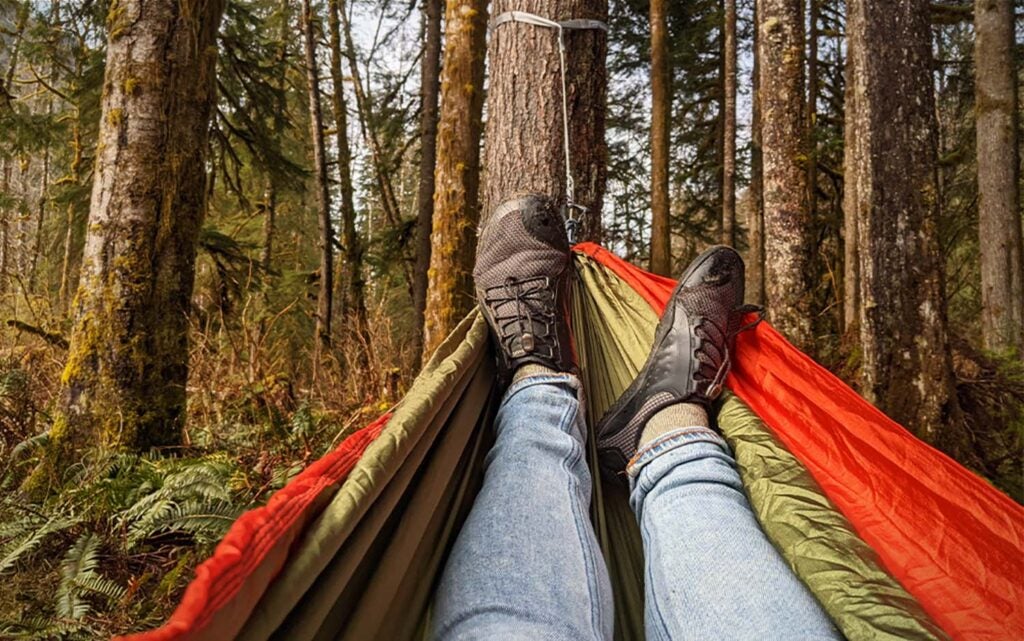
{"x": 526, "y": 564}
{"x": 711, "y": 573}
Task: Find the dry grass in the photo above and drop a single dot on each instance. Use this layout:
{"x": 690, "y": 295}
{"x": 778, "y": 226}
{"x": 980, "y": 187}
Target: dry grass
{"x": 256, "y": 412}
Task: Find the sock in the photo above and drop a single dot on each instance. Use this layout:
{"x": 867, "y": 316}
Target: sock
{"x": 531, "y": 369}
{"x": 672, "y": 418}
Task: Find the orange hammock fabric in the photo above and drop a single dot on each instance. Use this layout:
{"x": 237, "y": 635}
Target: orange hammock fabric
{"x": 953, "y": 541}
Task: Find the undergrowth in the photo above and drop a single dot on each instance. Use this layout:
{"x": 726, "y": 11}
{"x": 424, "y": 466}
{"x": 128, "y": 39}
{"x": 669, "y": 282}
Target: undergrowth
{"x": 111, "y": 551}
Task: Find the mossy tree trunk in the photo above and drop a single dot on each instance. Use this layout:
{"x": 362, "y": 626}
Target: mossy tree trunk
{"x": 457, "y": 177}
{"x": 1002, "y": 268}
{"x": 784, "y": 149}
{"x": 661, "y": 107}
{"x": 523, "y": 142}
{"x": 123, "y": 385}
{"x": 906, "y": 363}
{"x": 430, "y": 71}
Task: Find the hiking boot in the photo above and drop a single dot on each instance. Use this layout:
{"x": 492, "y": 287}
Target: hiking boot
{"x": 523, "y": 284}
{"x": 690, "y": 357}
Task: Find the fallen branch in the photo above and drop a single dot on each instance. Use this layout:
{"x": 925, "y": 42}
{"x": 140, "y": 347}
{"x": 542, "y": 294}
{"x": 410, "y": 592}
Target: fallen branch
{"x": 50, "y": 337}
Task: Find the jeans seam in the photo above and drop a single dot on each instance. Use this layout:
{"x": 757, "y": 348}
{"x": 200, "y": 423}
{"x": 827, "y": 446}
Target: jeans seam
{"x": 589, "y": 561}
{"x": 655, "y": 609}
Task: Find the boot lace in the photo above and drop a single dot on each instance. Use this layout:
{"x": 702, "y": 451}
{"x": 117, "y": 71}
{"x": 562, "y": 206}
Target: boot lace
{"x": 521, "y": 308}
{"x": 714, "y": 352}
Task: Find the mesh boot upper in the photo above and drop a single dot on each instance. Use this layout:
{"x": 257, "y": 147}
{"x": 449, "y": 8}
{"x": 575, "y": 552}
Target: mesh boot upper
{"x": 690, "y": 357}
{"x": 522, "y": 278}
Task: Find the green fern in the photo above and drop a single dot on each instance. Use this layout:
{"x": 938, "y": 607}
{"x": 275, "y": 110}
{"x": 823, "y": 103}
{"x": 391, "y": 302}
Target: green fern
{"x": 192, "y": 497}
{"x": 79, "y": 577}
{"x": 42, "y": 627}
{"x": 25, "y": 535}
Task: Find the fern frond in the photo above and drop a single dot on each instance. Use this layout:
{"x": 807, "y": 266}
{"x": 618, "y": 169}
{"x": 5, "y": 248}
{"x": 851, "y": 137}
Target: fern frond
{"x": 24, "y": 544}
{"x": 79, "y": 563}
{"x": 97, "y": 584}
{"x": 79, "y": 576}
{"x": 31, "y": 443}
{"x": 148, "y": 522}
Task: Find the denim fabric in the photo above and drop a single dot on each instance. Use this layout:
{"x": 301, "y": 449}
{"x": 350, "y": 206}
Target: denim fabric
{"x": 710, "y": 572}
{"x": 526, "y": 564}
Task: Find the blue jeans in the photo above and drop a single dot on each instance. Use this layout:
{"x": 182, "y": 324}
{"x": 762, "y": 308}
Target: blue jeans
{"x": 526, "y": 564}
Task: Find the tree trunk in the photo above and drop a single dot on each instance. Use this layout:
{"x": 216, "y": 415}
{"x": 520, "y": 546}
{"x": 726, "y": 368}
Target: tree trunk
{"x": 44, "y": 179}
{"x": 523, "y": 143}
{"x": 5, "y": 227}
{"x": 124, "y": 382}
{"x": 1002, "y": 269}
{"x": 755, "y": 260}
{"x": 353, "y": 299}
{"x": 5, "y": 170}
{"x": 279, "y": 123}
{"x": 325, "y": 292}
{"x": 385, "y": 188}
{"x": 457, "y": 198}
{"x": 784, "y": 138}
{"x": 661, "y": 107}
{"x": 906, "y": 363}
{"x": 812, "y": 110}
{"x": 851, "y": 257}
{"x": 429, "y": 88}
{"x": 729, "y": 125}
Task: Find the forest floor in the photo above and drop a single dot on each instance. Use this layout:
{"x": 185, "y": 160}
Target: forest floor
{"x": 112, "y": 551}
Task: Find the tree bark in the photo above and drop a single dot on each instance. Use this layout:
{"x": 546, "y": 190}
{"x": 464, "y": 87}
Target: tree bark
{"x": 69, "y": 220}
{"x": 729, "y": 125}
{"x": 279, "y": 123}
{"x": 5, "y": 170}
{"x": 851, "y": 256}
{"x": 124, "y": 382}
{"x": 784, "y": 138}
{"x": 457, "y": 195}
{"x": 906, "y": 363}
{"x": 325, "y": 291}
{"x": 755, "y": 260}
{"x": 353, "y": 299}
{"x": 523, "y": 142}
{"x": 812, "y": 109}
{"x": 430, "y": 72}
{"x": 661, "y": 107}
{"x": 1002, "y": 269}
{"x": 5, "y": 227}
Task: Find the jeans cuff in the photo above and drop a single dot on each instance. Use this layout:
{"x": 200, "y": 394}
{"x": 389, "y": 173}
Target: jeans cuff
{"x": 556, "y": 378}
{"x": 670, "y": 441}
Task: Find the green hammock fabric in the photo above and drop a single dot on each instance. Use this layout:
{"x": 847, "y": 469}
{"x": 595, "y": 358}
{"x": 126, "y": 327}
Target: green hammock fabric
{"x": 367, "y": 567}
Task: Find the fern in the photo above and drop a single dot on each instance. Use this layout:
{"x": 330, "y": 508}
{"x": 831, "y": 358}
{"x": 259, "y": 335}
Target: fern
{"x": 79, "y": 576}
{"x": 27, "y": 534}
{"x": 42, "y": 627}
{"x": 192, "y": 497}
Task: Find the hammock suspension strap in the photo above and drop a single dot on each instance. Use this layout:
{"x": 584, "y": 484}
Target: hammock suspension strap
{"x": 571, "y": 208}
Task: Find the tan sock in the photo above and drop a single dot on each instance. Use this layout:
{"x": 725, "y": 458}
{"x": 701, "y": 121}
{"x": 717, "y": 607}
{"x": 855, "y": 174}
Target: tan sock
{"x": 531, "y": 369}
{"x": 674, "y": 417}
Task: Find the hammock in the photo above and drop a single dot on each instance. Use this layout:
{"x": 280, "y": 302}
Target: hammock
{"x": 895, "y": 539}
